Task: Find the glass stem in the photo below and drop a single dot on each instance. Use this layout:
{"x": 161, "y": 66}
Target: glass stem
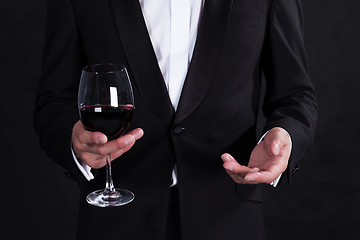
{"x": 109, "y": 187}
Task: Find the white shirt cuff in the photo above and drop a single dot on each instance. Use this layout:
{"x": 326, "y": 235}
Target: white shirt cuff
{"x": 84, "y": 168}
{"x": 275, "y": 182}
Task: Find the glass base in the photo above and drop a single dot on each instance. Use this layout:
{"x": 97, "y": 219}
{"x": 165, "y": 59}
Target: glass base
{"x": 103, "y": 198}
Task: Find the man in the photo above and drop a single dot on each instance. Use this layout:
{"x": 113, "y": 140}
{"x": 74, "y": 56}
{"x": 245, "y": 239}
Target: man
{"x": 196, "y": 69}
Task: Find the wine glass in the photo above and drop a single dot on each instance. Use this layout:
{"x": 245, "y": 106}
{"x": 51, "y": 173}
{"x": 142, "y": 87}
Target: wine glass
{"x": 106, "y": 104}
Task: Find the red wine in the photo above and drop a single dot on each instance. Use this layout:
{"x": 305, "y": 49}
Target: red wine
{"x": 112, "y": 121}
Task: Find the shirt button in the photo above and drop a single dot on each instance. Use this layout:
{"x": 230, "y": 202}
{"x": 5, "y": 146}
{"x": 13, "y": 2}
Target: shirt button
{"x": 178, "y": 130}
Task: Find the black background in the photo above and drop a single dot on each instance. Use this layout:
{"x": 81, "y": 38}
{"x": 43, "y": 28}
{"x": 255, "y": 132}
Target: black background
{"x": 39, "y": 202}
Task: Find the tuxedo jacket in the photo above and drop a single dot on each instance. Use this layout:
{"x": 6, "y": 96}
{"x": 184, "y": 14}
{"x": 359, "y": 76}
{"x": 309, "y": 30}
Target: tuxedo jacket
{"x": 239, "y": 44}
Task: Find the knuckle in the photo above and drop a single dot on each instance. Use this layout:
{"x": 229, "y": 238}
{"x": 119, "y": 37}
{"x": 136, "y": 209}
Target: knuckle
{"x": 102, "y": 151}
{"x": 120, "y": 142}
{"x": 77, "y": 146}
{"x": 86, "y": 156}
{"x": 97, "y": 163}
{"x": 81, "y": 138}
{"x": 127, "y": 147}
{"x": 126, "y": 141}
{"x": 83, "y": 156}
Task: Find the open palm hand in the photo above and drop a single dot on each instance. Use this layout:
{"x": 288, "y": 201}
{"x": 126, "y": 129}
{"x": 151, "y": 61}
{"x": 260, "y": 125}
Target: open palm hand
{"x": 268, "y": 160}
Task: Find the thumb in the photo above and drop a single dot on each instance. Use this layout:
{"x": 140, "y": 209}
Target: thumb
{"x": 274, "y": 147}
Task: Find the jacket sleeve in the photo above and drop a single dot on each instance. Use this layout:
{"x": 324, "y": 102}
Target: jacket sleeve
{"x": 56, "y": 100}
{"x": 290, "y": 100}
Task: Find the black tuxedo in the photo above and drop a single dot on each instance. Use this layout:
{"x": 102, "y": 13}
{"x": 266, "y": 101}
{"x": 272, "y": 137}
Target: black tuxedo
{"x": 238, "y": 42}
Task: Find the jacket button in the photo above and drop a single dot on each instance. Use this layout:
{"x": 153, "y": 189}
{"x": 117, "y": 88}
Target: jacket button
{"x": 295, "y": 169}
{"x": 69, "y": 175}
{"x": 178, "y": 130}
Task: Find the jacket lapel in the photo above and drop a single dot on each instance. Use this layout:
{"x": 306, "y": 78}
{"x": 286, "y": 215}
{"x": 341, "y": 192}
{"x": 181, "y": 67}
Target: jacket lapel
{"x": 144, "y": 67}
{"x": 211, "y": 32}
{"x": 141, "y": 56}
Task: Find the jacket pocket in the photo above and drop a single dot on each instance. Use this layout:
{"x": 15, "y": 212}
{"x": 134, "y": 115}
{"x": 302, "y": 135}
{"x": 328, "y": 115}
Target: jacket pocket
{"x": 252, "y": 193}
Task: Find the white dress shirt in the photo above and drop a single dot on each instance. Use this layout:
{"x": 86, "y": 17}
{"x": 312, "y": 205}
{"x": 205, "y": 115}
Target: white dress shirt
{"x": 172, "y": 26}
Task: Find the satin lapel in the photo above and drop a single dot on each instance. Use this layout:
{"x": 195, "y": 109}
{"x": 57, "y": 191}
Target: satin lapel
{"x": 210, "y": 37}
{"x": 141, "y": 56}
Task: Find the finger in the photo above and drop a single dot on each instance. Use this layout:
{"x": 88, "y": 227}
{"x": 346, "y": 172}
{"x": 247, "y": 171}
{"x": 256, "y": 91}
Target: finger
{"x": 235, "y": 170}
{"x": 88, "y": 137}
{"x": 120, "y": 151}
{"x": 232, "y": 165}
{"x": 274, "y": 148}
{"x": 273, "y": 145}
{"x": 84, "y": 151}
{"x": 123, "y": 144}
{"x": 277, "y": 140}
{"x": 129, "y": 138}
{"x": 266, "y": 175}
{"x": 93, "y": 154}
{"x": 137, "y": 133}
{"x": 84, "y": 154}
{"x": 95, "y": 161}
{"x": 260, "y": 177}
{"x": 236, "y": 178}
